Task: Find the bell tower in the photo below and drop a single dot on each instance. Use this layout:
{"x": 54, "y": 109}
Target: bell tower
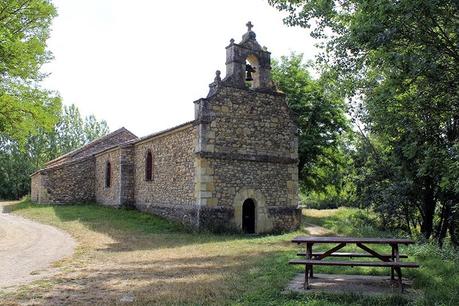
{"x": 246, "y": 149}
{"x": 248, "y": 64}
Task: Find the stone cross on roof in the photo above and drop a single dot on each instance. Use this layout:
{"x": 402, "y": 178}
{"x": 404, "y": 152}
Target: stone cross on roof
{"x": 249, "y": 26}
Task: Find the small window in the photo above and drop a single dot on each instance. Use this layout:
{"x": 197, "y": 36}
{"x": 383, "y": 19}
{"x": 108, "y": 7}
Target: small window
{"x": 149, "y": 166}
{"x": 108, "y": 175}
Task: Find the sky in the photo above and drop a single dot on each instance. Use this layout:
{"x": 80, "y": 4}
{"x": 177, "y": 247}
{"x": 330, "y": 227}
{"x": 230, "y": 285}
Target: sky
{"x": 141, "y": 64}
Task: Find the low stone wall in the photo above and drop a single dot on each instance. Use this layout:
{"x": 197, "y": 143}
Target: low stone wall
{"x": 185, "y": 214}
{"x": 284, "y": 219}
{"x": 73, "y": 182}
{"x": 217, "y": 219}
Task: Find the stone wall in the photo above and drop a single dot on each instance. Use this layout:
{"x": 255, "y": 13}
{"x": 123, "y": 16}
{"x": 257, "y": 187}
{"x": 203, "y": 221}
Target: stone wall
{"x": 246, "y": 123}
{"x": 108, "y": 195}
{"x": 72, "y": 182}
{"x": 127, "y": 175}
{"x": 272, "y": 186}
{"x": 173, "y": 169}
{"x": 38, "y": 193}
{"x": 75, "y": 171}
{"x": 185, "y": 214}
{"x": 247, "y": 149}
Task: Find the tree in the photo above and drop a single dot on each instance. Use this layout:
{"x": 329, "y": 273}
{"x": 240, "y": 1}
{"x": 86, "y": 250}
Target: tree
{"x": 70, "y": 129}
{"x": 94, "y": 128}
{"x": 24, "y": 105}
{"x": 397, "y": 62}
{"x": 18, "y": 161}
{"x": 15, "y": 166}
{"x": 321, "y": 120}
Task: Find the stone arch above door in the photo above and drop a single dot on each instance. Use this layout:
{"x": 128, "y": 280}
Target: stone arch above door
{"x": 262, "y": 221}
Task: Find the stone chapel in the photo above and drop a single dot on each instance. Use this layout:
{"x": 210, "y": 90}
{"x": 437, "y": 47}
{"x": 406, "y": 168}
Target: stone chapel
{"x": 233, "y": 168}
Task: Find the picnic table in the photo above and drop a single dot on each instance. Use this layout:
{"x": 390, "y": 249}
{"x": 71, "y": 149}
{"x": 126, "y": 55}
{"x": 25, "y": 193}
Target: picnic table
{"x": 311, "y": 258}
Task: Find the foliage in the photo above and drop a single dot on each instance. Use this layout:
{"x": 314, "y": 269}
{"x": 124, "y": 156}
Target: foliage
{"x": 322, "y": 126}
{"x": 24, "y": 105}
{"x": 397, "y": 62}
{"x": 18, "y": 161}
{"x": 74, "y": 131}
{"x": 15, "y": 168}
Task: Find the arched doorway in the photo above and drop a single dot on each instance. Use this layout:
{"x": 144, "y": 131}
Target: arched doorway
{"x": 248, "y": 216}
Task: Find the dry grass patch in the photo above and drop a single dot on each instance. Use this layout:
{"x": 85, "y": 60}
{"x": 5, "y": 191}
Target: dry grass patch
{"x": 126, "y": 252}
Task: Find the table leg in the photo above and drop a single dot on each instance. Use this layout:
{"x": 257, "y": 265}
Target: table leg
{"x": 399, "y": 273}
{"x": 392, "y": 276}
{"x": 306, "y": 279}
{"x": 309, "y": 256}
{"x": 398, "y": 269}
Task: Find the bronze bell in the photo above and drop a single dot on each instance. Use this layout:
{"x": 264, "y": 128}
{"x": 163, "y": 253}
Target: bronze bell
{"x": 249, "y": 70}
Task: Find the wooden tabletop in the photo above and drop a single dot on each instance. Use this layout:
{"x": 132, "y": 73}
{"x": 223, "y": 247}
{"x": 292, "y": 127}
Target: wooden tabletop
{"x": 312, "y": 239}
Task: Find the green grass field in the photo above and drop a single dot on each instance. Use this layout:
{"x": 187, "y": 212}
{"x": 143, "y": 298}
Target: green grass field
{"x": 160, "y": 262}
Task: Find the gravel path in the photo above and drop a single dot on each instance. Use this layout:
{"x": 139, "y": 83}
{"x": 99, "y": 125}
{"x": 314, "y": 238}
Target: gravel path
{"x": 28, "y": 248}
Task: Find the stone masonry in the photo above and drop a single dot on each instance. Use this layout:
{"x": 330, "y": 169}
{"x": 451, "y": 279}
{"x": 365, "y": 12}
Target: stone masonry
{"x": 233, "y": 168}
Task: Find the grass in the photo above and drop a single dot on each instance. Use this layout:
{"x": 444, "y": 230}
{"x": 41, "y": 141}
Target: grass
{"x": 159, "y": 262}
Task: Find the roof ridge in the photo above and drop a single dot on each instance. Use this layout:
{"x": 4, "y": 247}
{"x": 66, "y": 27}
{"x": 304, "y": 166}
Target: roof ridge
{"x": 90, "y": 144}
{"x": 164, "y": 131}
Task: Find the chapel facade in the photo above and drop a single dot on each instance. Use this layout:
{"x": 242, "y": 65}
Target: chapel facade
{"x": 232, "y": 168}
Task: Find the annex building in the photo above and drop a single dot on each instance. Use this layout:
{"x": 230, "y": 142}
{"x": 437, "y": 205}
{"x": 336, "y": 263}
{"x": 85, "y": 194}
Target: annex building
{"x": 233, "y": 168}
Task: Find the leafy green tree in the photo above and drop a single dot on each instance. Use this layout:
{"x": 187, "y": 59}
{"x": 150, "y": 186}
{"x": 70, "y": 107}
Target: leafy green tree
{"x": 24, "y": 105}
{"x": 70, "y": 129}
{"x": 18, "y": 161}
{"x": 15, "y": 168}
{"x": 398, "y": 64}
{"x": 321, "y": 121}
{"x": 94, "y": 128}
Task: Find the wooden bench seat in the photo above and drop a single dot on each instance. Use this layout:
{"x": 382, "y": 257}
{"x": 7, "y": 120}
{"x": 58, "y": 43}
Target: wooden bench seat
{"x": 309, "y": 263}
{"x": 350, "y": 255}
{"x": 354, "y": 263}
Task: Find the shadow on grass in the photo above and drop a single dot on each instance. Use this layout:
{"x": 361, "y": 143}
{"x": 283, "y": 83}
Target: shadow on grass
{"x": 206, "y": 280}
{"x": 157, "y": 260}
{"x": 184, "y": 267}
{"x": 127, "y": 226}
{"x": 185, "y": 280}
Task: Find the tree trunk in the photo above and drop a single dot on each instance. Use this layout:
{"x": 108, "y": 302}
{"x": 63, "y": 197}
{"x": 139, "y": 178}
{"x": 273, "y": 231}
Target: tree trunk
{"x": 407, "y": 220}
{"x": 454, "y": 225}
{"x": 444, "y": 222}
{"x": 428, "y": 208}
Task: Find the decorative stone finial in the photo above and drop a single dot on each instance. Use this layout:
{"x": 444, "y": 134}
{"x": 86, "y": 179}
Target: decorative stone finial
{"x": 231, "y": 41}
{"x": 217, "y": 76}
{"x": 249, "y": 26}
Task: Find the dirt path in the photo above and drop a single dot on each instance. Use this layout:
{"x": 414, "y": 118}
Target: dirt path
{"x": 28, "y": 248}
{"x": 316, "y": 230}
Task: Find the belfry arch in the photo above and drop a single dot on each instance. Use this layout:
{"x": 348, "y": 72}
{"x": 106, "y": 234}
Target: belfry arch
{"x": 252, "y": 70}
{"x": 248, "y": 51}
